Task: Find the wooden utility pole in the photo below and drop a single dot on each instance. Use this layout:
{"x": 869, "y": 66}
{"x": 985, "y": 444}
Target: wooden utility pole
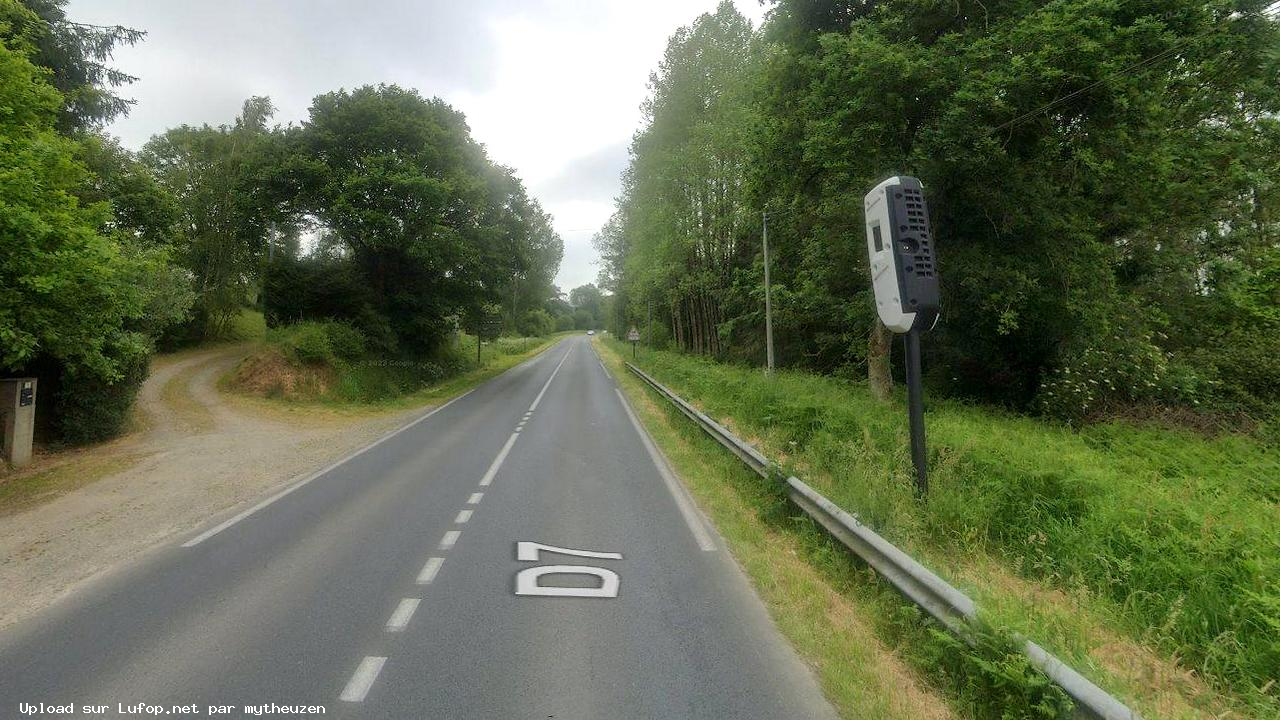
{"x": 768, "y": 303}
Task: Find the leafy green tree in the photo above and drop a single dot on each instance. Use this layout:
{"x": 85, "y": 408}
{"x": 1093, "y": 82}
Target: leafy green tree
{"x": 224, "y": 182}
{"x": 71, "y": 308}
{"x": 535, "y": 323}
{"x": 683, "y": 228}
{"x": 536, "y": 251}
{"x": 143, "y": 212}
{"x": 1099, "y": 175}
{"x": 587, "y": 298}
{"x": 434, "y": 229}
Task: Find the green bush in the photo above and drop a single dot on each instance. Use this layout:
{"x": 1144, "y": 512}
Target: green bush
{"x": 375, "y": 380}
{"x": 535, "y": 323}
{"x": 1106, "y": 377}
{"x": 90, "y": 407}
{"x": 347, "y": 342}
{"x": 309, "y": 342}
{"x": 321, "y": 342}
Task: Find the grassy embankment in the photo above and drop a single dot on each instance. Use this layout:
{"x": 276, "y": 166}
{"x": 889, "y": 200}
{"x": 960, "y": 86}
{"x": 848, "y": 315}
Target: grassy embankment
{"x": 313, "y": 365}
{"x": 1145, "y": 557}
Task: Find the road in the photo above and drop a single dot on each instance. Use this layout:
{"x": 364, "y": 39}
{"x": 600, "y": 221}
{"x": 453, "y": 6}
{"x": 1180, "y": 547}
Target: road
{"x": 406, "y": 582}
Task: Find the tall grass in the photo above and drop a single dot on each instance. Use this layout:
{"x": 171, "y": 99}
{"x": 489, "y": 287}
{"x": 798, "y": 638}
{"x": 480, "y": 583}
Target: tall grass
{"x": 331, "y": 362}
{"x": 1178, "y": 533}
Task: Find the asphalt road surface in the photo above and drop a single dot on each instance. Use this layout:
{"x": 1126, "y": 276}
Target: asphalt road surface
{"x": 414, "y": 580}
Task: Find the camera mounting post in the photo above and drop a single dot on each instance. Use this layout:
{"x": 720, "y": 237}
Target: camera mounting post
{"x": 904, "y": 276}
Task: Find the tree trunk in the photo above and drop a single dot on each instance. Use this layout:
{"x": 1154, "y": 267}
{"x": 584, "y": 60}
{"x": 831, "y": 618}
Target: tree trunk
{"x": 879, "y": 375}
{"x": 677, "y": 326}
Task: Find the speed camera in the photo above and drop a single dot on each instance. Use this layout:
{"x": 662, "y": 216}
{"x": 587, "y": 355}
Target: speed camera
{"x": 903, "y": 272}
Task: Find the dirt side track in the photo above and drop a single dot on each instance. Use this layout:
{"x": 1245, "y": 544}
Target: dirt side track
{"x": 198, "y": 454}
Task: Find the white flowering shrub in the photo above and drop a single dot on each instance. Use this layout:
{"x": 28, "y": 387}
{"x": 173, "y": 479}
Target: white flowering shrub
{"x": 1129, "y": 371}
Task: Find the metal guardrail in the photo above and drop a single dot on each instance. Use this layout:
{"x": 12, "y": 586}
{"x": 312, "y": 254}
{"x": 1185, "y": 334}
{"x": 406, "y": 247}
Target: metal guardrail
{"x": 944, "y": 603}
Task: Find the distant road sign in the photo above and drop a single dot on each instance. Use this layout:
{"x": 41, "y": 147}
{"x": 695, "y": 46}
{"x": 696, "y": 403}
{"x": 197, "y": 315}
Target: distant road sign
{"x": 633, "y": 335}
{"x": 490, "y": 328}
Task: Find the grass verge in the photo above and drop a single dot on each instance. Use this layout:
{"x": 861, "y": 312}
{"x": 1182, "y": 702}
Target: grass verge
{"x": 979, "y": 531}
{"x": 274, "y": 381}
{"x": 24, "y": 490}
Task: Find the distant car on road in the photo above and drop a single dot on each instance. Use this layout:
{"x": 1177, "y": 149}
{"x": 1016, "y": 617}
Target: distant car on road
{"x": 591, "y": 332}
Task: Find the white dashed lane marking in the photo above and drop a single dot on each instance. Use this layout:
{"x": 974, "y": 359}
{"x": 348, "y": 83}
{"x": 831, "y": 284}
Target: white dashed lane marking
{"x": 429, "y": 571}
{"x": 359, "y": 684}
{"x": 404, "y": 611}
{"x": 366, "y": 673}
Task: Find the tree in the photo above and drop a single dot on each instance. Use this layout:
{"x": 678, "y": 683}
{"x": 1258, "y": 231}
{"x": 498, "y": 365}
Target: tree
{"x": 68, "y": 295}
{"x": 435, "y": 229}
{"x": 1030, "y": 124}
{"x": 76, "y": 54}
{"x": 143, "y": 212}
{"x": 588, "y": 299}
{"x": 536, "y": 251}
{"x": 682, "y": 229}
{"x": 222, "y": 179}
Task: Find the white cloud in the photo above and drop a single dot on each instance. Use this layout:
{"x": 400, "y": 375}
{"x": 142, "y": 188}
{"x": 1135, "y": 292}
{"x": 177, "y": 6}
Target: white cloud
{"x": 551, "y": 87}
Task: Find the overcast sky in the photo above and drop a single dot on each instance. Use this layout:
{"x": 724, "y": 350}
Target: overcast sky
{"x": 551, "y": 87}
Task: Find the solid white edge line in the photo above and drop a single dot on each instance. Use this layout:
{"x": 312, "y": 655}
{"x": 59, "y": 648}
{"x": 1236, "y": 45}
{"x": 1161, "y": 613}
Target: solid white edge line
{"x": 692, "y": 516}
{"x": 360, "y": 682}
{"x": 475, "y": 498}
{"x": 429, "y": 571}
{"x": 463, "y": 517}
{"x": 242, "y": 515}
{"x": 497, "y": 462}
{"x": 399, "y": 619}
{"x": 538, "y": 399}
{"x": 450, "y": 539}
{"x": 600, "y": 360}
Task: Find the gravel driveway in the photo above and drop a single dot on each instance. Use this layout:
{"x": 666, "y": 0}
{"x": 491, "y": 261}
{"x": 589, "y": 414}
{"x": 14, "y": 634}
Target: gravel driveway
{"x": 200, "y": 454}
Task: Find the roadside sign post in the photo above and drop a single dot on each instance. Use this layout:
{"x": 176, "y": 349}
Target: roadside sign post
{"x": 905, "y": 279}
{"x": 634, "y": 336}
{"x": 488, "y": 329}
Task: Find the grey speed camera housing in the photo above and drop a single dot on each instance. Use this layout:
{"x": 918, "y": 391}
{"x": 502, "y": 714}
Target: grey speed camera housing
{"x": 900, "y": 247}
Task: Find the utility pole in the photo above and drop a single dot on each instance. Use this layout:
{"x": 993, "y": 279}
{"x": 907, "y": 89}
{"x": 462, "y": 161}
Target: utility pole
{"x": 768, "y": 302}
{"x": 271, "y": 256}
